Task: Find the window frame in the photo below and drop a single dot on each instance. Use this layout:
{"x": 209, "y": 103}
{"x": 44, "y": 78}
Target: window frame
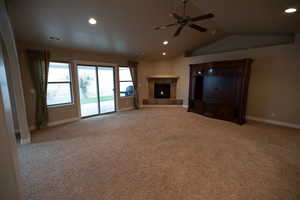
{"x": 62, "y": 82}
{"x": 123, "y": 82}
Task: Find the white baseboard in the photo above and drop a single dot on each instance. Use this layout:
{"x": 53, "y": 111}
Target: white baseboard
{"x": 161, "y": 106}
{"x": 55, "y": 123}
{"x": 185, "y": 106}
{"x": 25, "y": 141}
{"x": 270, "y": 121}
{"x": 31, "y": 128}
{"x": 126, "y": 109}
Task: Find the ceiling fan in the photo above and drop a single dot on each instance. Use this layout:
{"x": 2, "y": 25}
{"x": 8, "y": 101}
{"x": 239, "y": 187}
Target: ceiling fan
{"x": 184, "y": 20}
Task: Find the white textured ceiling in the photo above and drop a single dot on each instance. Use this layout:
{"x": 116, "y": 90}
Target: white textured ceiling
{"x": 126, "y": 27}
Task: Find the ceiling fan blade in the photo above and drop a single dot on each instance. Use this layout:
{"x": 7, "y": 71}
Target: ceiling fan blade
{"x": 164, "y": 27}
{"x": 178, "y": 31}
{"x": 202, "y": 17}
{"x": 198, "y": 28}
{"x": 176, "y": 16}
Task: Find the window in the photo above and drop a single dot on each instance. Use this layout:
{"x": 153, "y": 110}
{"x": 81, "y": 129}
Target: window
{"x": 126, "y": 84}
{"x": 59, "y": 84}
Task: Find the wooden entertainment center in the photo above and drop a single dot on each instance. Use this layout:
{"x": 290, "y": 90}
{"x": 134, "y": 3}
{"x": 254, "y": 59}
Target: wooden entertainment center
{"x": 219, "y": 89}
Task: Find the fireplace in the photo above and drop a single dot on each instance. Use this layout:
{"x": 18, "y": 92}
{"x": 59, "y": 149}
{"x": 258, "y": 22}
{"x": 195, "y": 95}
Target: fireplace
{"x": 162, "y": 91}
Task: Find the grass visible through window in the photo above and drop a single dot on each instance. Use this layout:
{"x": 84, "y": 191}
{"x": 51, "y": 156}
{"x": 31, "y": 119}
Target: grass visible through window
{"x": 95, "y": 99}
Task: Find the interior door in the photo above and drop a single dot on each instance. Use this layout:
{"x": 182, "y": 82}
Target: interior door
{"x": 106, "y": 85}
{"x": 88, "y": 90}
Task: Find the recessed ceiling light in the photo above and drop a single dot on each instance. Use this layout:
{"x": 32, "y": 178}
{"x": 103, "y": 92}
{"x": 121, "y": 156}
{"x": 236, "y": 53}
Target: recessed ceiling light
{"x": 290, "y": 10}
{"x": 92, "y": 21}
{"x": 165, "y": 42}
{"x": 164, "y": 53}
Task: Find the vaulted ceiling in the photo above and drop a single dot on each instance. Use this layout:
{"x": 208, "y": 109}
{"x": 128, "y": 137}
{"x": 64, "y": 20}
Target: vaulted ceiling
{"x": 127, "y": 27}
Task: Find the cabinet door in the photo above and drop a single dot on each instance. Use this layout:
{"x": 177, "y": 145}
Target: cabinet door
{"x": 225, "y": 112}
{"x": 198, "y": 106}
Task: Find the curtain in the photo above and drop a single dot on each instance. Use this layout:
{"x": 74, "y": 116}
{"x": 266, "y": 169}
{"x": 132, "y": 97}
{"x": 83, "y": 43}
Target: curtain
{"x": 38, "y": 61}
{"x": 133, "y": 71}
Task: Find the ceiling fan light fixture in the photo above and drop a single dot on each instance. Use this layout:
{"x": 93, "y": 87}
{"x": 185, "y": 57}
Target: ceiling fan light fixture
{"x": 290, "y": 10}
{"x": 186, "y": 21}
{"x": 92, "y": 21}
{"x": 54, "y": 38}
{"x": 165, "y": 42}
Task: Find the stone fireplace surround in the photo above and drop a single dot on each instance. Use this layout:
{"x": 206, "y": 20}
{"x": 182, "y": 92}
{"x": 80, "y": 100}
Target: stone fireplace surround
{"x": 165, "y": 79}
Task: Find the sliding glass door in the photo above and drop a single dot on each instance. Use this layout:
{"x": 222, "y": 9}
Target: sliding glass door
{"x": 106, "y": 89}
{"x": 88, "y": 90}
{"x": 96, "y": 90}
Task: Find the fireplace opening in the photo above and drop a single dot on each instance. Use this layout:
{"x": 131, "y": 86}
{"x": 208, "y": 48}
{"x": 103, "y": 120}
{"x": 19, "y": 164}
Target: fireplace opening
{"x": 162, "y": 91}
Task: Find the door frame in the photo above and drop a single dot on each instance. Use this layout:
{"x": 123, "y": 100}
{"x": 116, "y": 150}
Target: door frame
{"x": 97, "y": 66}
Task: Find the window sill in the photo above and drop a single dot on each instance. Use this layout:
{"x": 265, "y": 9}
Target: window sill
{"x": 61, "y": 105}
{"x": 126, "y": 97}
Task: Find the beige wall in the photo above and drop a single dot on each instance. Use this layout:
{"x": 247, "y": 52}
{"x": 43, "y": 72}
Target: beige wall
{"x": 126, "y": 103}
{"x": 274, "y": 83}
{"x": 9, "y": 173}
{"x": 67, "y": 112}
{"x": 9, "y": 165}
{"x": 10, "y": 183}
{"x": 148, "y": 68}
{"x": 242, "y": 42}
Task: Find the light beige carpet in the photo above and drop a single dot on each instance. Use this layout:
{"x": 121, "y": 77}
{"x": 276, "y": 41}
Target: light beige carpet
{"x": 161, "y": 154}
